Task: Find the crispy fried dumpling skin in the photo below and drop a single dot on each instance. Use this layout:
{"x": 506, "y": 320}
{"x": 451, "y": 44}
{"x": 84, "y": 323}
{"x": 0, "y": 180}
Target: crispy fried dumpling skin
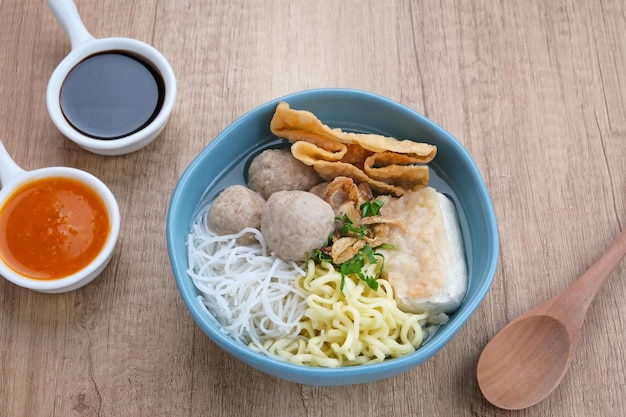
{"x": 388, "y": 165}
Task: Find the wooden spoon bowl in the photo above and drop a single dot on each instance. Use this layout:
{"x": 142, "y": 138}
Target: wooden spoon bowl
{"x": 529, "y": 357}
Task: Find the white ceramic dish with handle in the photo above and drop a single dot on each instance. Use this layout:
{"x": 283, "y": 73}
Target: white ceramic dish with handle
{"x": 83, "y": 47}
{"x": 12, "y": 177}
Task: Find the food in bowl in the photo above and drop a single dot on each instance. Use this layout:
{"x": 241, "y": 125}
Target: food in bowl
{"x": 363, "y": 267}
{"x": 224, "y": 162}
{"x": 266, "y": 179}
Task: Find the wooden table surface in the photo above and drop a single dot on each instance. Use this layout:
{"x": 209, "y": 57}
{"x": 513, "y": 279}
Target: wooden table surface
{"x": 535, "y": 91}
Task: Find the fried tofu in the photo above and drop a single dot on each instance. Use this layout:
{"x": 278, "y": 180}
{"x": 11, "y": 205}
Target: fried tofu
{"x": 427, "y": 267}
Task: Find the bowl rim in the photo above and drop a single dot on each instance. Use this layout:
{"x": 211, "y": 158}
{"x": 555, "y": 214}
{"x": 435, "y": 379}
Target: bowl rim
{"x": 345, "y": 375}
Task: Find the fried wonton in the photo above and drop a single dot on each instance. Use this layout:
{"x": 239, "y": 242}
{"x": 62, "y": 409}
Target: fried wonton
{"x": 388, "y": 165}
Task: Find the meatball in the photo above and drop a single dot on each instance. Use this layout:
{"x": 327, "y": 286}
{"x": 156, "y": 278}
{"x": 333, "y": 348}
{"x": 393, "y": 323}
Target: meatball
{"x": 295, "y": 223}
{"x": 320, "y": 189}
{"x": 277, "y": 170}
{"x": 234, "y": 209}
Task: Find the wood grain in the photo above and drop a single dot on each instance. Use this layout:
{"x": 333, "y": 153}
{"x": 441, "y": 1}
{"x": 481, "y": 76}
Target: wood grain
{"x": 534, "y": 90}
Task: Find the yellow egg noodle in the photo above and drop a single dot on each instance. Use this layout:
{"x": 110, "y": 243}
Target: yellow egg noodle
{"x": 298, "y": 313}
{"x": 350, "y": 326}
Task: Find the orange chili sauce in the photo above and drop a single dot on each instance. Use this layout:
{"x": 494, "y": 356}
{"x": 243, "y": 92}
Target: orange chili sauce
{"x": 51, "y": 228}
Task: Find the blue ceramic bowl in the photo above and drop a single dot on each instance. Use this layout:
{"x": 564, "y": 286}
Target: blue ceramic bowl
{"x": 453, "y": 172}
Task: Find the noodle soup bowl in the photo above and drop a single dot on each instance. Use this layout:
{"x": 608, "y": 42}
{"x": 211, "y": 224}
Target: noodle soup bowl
{"x": 21, "y": 191}
{"x": 453, "y": 172}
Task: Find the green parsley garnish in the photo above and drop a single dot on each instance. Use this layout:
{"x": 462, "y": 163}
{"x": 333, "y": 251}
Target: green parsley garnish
{"x": 371, "y": 208}
{"x": 365, "y": 255}
{"x": 349, "y": 229}
{"x": 355, "y": 266}
{"x": 320, "y": 256}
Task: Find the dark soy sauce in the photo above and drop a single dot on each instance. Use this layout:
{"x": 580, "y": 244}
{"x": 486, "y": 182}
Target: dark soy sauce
{"x": 111, "y": 95}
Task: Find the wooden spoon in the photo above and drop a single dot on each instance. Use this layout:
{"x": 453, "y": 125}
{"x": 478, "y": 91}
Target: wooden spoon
{"x": 529, "y": 357}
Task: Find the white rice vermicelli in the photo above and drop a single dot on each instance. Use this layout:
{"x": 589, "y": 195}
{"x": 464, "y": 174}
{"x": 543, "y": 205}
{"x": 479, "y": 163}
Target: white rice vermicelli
{"x": 249, "y": 291}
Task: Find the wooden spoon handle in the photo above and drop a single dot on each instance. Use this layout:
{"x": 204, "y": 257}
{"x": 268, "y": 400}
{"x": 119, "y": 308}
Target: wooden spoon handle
{"x": 575, "y": 300}
{"x": 595, "y": 276}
